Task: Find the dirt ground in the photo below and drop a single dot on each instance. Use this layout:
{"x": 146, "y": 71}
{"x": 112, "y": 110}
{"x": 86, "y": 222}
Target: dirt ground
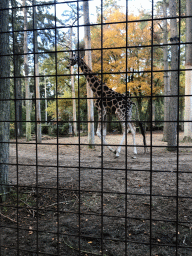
{"x": 65, "y": 200}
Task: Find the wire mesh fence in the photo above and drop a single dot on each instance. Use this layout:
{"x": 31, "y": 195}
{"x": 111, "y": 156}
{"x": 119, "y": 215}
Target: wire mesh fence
{"x": 66, "y": 185}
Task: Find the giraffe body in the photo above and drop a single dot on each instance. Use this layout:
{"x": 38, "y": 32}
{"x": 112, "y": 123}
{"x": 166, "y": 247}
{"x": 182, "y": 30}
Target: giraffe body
{"x": 109, "y": 101}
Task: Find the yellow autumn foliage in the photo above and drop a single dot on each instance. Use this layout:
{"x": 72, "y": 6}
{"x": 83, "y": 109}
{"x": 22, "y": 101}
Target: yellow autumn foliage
{"x": 136, "y": 70}
{"x": 63, "y": 105}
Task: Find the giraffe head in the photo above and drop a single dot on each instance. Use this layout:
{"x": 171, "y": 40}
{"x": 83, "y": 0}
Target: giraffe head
{"x": 72, "y": 61}
{"x": 75, "y": 58}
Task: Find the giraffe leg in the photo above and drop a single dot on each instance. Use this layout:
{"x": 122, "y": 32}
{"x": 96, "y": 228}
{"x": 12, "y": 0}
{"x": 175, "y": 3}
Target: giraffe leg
{"x": 103, "y": 140}
{"x": 119, "y": 148}
{"x": 99, "y": 134}
{"x": 121, "y": 118}
{"x": 123, "y": 138}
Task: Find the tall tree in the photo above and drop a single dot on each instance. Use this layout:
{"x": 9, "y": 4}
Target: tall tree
{"x": 166, "y": 74}
{"x": 173, "y": 108}
{"x": 73, "y": 89}
{"x": 72, "y": 19}
{"x": 37, "y": 89}
{"x": 26, "y": 70}
{"x": 17, "y": 50}
{"x": 4, "y": 98}
{"x": 18, "y": 87}
{"x": 88, "y": 59}
{"x": 188, "y": 73}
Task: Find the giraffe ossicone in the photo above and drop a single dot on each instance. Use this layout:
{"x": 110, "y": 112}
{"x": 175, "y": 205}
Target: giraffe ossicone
{"x": 107, "y": 100}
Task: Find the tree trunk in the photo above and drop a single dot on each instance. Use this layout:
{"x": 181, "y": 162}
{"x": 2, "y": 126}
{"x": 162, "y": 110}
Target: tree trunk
{"x": 4, "y": 99}
{"x": 37, "y": 89}
{"x": 90, "y": 103}
{"x": 26, "y": 70}
{"x": 45, "y": 81}
{"x": 188, "y": 74}
{"x": 182, "y": 118}
{"x": 173, "y": 108}
{"x": 148, "y": 116}
{"x": 166, "y": 74}
{"x": 18, "y": 96}
{"x": 17, "y": 72}
{"x": 153, "y": 113}
{"x": 139, "y": 105}
{"x": 73, "y": 92}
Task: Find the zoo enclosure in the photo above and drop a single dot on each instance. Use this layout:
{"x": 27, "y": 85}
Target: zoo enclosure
{"x": 134, "y": 54}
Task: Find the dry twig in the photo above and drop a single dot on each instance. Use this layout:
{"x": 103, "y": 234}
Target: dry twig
{"x": 8, "y": 217}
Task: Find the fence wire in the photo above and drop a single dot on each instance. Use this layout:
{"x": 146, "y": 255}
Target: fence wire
{"x": 65, "y": 194}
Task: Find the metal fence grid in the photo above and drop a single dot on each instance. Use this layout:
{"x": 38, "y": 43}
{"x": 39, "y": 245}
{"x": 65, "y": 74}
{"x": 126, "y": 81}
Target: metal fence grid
{"x": 63, "y": 199}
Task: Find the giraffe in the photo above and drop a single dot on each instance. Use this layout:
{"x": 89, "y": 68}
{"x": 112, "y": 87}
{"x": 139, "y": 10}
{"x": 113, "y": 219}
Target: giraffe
{"x": 109, "y": 101}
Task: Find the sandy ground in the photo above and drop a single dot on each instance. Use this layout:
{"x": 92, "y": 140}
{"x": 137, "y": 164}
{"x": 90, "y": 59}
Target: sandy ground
{"x": 126, "y": 204}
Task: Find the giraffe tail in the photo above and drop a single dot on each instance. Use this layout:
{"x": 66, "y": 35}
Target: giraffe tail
{"x": 142, "y": 129}
{"x": 143, "y": 133}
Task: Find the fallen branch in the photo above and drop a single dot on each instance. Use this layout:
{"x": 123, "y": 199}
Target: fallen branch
{"x": 8, "y": 217}
{"x": 31, "y": 211}
{"x": 43, "y": 207}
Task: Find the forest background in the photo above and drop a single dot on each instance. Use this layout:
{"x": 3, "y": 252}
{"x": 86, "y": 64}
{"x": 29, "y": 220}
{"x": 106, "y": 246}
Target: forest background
{"x": 114, "y": 37}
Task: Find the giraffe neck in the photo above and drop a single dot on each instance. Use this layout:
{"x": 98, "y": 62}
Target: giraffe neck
{"x": 93, "y": 81}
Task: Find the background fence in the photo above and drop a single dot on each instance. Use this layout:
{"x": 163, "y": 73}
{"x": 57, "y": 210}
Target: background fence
{"x": 62, "y": 191}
